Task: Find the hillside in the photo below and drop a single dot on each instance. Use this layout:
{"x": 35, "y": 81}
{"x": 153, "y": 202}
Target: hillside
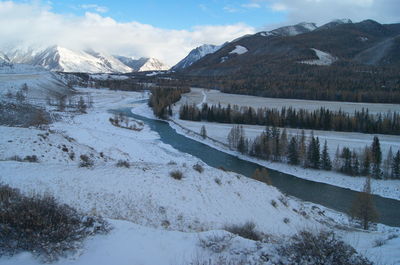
{"x": 337, "y": 61}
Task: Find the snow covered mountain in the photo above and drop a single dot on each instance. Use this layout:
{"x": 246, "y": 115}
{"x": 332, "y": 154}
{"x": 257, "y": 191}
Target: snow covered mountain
{"x": 293, "y": 30}
{"x": 56, "y": 58}
{"x": 4, "y": 58}
{"x": 143, "y": 64}
{"x": 195, "y": 55}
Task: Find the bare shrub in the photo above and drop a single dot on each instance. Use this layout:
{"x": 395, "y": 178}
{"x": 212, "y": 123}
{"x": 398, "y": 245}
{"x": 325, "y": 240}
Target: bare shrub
{"x": 318, "y": 249}
{"x": 379, "y": 242}
{"x": 16, "y": 158}
{"x": 123, "y": 163}
{"x": 274, "y": 203}
{"x": 42, "y": 226}
{"x": 246, "y": 230}
{"x": 286, "y": 220}
{"x": 199, "y": 168}
{"x": 218, "y": 181}
{"x": 176, "y": 174}
{"x": 221, "y": 260}
{"x": 86, "y": 161}
{"x": 284, "y": 201}
{"x": 32, "y": 159}
{"x": 216, "y": 243}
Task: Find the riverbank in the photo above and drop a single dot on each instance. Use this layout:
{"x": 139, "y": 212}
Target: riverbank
{"x": 385, "y": 188}
{"x": 145, "y": 194}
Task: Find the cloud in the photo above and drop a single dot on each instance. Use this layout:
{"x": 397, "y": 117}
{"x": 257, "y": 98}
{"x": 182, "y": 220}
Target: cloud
{"x": 97, "y": 8}
{"x": 230, "y": 9}
{"x": 36, "y": 25}
{"x": 251, "y": 5}
{"x": 323, "y": 11}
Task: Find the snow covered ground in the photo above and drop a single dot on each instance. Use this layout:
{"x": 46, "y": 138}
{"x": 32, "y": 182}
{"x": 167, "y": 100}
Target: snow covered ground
{"x": 156, "y": 219}
{"x": 324, "y": 58}
{"x": 215, "y": 97}
{"x": 357, "y": 141}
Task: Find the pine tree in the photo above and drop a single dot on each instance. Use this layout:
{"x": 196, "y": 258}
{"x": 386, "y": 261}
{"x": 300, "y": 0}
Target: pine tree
{"x": 337, "y": 163}
{"x": 203, "y": 132}
{"x": 242, "y": 146}
{"x": 363, "y": 207}
{"x": 302, "y": 148}
{"x": 387, "y": 163}
{"x": 292, "y": 153}
{"x": 376, "y": 154}
{"x": 347, "y": 165}
{"x": 366, "y": 167}
{"x": 326, "y": 163}
{"x": 396, "y": 166}
{"x": 283, "y": 142}
{"x": 355, "y": 163}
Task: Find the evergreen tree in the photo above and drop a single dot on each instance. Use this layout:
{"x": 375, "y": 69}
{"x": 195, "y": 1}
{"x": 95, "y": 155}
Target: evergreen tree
{"x": 355, "y": 163}
{"x": 387, "y": 163}
{"x": 363, "y": 207}
{"x": 347, "y": 165}
{"x": 326, "y": 163}
{"x": 292, "y": 154}
{"x": 283, "y": 142}
{"x": 337, "y": 163}
{"x": 242, "y": 145}
{"x": 366, "y": 167}
{"x": 396, "y": 166}
{"x": 203, "y": 132}
{"x": 302, "y": 148}
{"x": 376, "y": 155}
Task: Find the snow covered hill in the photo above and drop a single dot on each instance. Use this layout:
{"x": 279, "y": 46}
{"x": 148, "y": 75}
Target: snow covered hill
{"x": 195, "y": 55}
{"x": 34, "y": 81}
{"x": 56, "y": 58}
{"x": 143, "y": 64}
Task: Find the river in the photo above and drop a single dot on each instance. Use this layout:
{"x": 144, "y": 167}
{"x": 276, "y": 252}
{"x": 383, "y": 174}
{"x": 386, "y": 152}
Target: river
{"x": 330, "y": 196}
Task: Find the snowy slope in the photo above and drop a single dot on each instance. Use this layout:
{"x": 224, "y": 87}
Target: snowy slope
{"x": 40, "y": 82}
{"x": 153, "y": 64}
{"x": 143, "y": 63}
{"x": 295, "y": 29}
{"x": 195, "y": 55}
{"x": 145, "y": 193}
{"x": 56, "y": 58}
{"x": 239, "y": 50}
{"x": 324, "y": 58}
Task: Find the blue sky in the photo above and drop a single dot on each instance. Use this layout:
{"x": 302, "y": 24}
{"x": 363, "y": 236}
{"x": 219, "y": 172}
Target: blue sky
{"x": 167, "y": 30}
{"x": 180, "y": 14}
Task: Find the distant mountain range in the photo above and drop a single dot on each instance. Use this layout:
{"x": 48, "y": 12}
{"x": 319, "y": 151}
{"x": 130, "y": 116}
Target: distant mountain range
{"x": 366, "y": 43}
{"x": 56, "y": 58}
{"x": 340, "y": 61}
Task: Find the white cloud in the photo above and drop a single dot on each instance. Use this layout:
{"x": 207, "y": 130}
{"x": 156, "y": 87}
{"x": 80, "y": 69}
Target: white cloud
{"x": 97, "y": 8}
{"x": 322, "y": 11}
{"x": 37, "y": 25}
{"x": 251, "y": 5}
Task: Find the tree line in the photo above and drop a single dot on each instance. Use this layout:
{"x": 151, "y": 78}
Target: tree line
{"x": 275, "y": 145}
{"x": 342, "y": 81}
{"x": 162, "y": 98}
{"x": 320, "y": 119}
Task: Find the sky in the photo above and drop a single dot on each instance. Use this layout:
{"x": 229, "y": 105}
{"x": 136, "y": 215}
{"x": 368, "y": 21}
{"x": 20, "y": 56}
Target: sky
{"x": 167, "y": 30}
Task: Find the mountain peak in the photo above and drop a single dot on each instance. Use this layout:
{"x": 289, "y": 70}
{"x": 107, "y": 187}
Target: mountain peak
{"x": 195, "y": 55}
{"x": 143, "y": 63}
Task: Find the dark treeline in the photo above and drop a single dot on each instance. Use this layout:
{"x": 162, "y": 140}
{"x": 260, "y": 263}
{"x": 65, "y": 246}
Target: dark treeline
{"x": 341, "y": 81}
{"x": 275, "y": 145}
{"x": 320, "y": 119}
{"x": 162, "y": 98}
